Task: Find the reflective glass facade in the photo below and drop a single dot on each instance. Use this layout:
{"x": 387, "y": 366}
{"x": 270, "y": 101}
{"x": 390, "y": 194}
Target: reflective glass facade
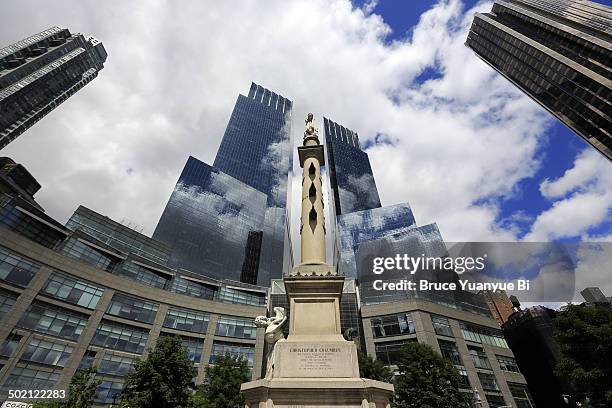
{"x": 40, "y": 72}
{"x": 557, "y": 52}
{"x": 230, "y": 220}
{"x": 53, "y": 320}
{"x": 186, "y": 319}
{"x": 352, "y": 229}
{"x": 233, "y": 349}
{"x": 119, "y": 236}
{"x": 208, "y": 219}
{"x": 350, "y": 175}
{"x": 73, "y": 290}
{"x": 133, "y": 308}
{"x": 16, "y": 269}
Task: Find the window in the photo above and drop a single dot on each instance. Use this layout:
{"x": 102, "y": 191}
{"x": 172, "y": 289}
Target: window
{"x": 120, "y": 337}
{"x": 507, "y": 364}
{"x": 73, "y": 290}
{"x": 464, "y": 382}
{"x": 32, "y": 377}
{"x": 132, "y": 308}
{"x": 450, "y": 352}
{"x": 109, "y": 391}
{"x": 389, "y": 352}
{"x": 220, "y": 348}
{"x": 441, "y": 326}
{"x": 495, "y": 401}
{"x": 47, "y": 352}
{"x": 186, "y": 319}
{"x": 76, "y": 249}
{"x": 484, "y": 335}
{"x": 15, "y": 269}
{"x": 393, "y": 325}
{"x": 141, "y": 274}
{"x": 242, "y": 297}
{"x": 12, "y": 218}
{"x": 49, "y": 319}
{"x": 115, "y": 365}
{"x": 521, "y": 395}
{"x": 193, "y": 345}
{"x": 192, "y": 288}
{"x": 88, "y": 359}
{"x": 488, "y": 382}
{"x": 7, "y": 300}
{"x": 231, "y": 326}
{"x": 479, "y": 357}
{"x": 9, "y": 345}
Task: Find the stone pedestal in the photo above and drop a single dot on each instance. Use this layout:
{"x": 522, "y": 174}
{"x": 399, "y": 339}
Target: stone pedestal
{"x": 317, "y": 393}
{"x": 315, "y": 367}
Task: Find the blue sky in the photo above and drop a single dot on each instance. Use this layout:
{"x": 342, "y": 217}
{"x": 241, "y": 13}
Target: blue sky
{"x": 556, "y": 153}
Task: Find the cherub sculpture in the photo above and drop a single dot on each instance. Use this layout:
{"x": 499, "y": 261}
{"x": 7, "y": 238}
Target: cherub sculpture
{"x": 274, "y": 333}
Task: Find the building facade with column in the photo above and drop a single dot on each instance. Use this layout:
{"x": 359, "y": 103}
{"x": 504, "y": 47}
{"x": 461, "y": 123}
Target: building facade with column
{"x": 559, "y": 53}
{"x": 69, "y": 300}
{"x": 458, "y": 325}
{"x": 42, "y": 71}
{"x": 473, "y": 342}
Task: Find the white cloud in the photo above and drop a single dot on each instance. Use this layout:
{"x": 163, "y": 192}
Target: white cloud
{"x": 174, "y": 72}
{"x": 584, "y": 200}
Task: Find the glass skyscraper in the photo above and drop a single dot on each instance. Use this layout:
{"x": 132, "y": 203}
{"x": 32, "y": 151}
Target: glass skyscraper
{"x": 350, "y": 175}
{"x": 559, "y": 53}
{"x": 42, "y": 71}
{"x": 230, "y": 220}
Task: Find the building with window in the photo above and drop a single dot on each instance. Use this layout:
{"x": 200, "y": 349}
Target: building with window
{"x": 559, "y": 53}
{"x": 231, "y": 219}
{"x": 42, "y": 71}
{"x": 529, "y": 333}
{"x": 473, "y": 342}
{"x": 87, "y": 300}
{"x": 351, "y": 180}
{"x": 458, "y": 325}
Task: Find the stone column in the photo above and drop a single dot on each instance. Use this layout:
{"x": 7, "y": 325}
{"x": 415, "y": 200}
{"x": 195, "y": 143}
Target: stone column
{"x": 312, "y": 228}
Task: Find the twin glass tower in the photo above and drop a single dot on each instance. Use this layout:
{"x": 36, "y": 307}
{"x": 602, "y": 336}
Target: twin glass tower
{"x": 231, "y": 220}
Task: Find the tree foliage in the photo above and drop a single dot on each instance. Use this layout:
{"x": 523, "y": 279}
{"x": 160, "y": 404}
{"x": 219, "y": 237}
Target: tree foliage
{"x": 373, "y": 369}
{"x": 222, "y": 386}
{"x": 584, "y": 334}
{"x": 81, "y": 391}
{"x": 427, "y": 380}
{"x": 163, "y": 379}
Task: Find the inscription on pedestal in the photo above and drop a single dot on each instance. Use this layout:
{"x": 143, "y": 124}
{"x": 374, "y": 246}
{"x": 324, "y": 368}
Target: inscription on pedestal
{"x": 316, "y": 360}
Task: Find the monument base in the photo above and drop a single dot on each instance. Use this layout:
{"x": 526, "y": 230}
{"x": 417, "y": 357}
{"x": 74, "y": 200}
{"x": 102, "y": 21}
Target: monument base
{"x": 317, "y": 393}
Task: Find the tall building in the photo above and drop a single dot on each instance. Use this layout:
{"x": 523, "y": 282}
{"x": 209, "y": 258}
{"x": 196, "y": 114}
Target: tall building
{"x": 232, "y": 219}
{"x": 529, "y": 333}
{"x": 594, "y": 295}
{"x": 499, "y": 304}
{"x": 350, "y": 175}
{"x": 42, "y": 71}
{"x": 97, "y": 293}
{"x": 557, "y": 52}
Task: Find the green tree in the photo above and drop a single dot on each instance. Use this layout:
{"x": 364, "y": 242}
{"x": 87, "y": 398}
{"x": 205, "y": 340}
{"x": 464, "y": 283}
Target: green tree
{"x": 373, "y": 369}
{"x": 81, "y": 391}
{"x": 427, "y": 380}
{"x": 163, "y": 379}
{"x": 584, "y": 334}
{"x": 222, "y": 386}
